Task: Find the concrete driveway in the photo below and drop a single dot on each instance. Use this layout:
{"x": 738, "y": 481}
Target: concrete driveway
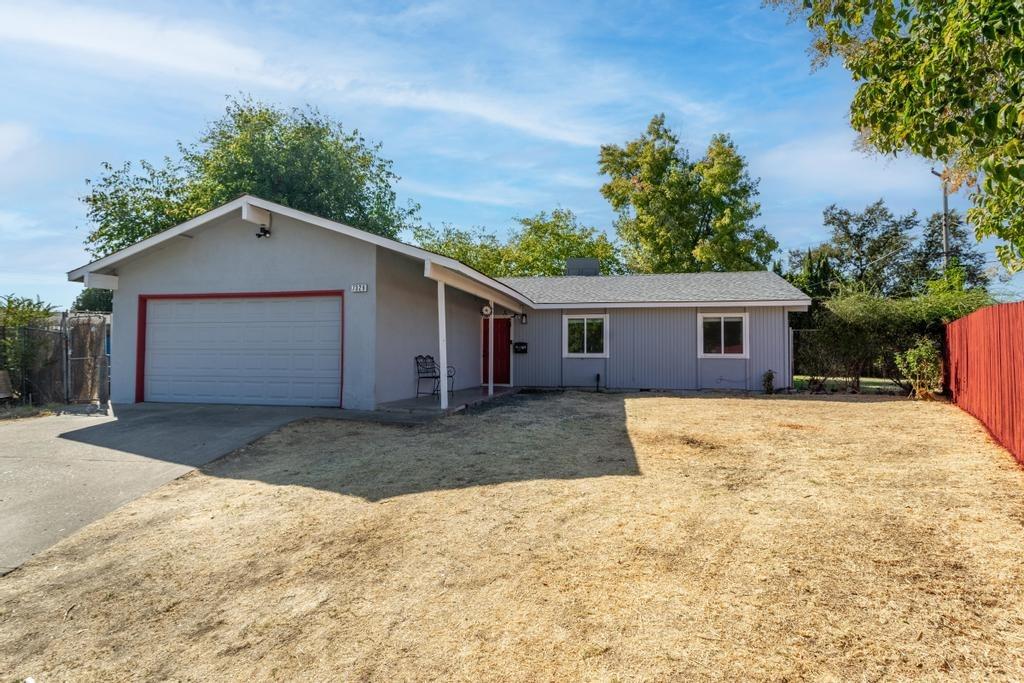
{"x": 59, "y": 473}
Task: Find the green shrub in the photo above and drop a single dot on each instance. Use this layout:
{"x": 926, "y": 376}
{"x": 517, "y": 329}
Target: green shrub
{"x": 768, "y": 381}
{"x": 857, "y": 332}
{"x": 921, "y": 365}
{"x": 20, "y": 351}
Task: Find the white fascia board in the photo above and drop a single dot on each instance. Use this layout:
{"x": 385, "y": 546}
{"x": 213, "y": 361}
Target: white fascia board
{"x": 98, "y": 281}
{"x": 78, "y": 274}
{"x": 793, "y": 305}
{"x": 433, "y": 271}
{"x": 254, "y": 214}
{"x": 253, "y": 206}
{"x": 394, "y": 245}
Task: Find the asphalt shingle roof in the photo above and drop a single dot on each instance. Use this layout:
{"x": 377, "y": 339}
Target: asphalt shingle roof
{"x": 674, "y": 287}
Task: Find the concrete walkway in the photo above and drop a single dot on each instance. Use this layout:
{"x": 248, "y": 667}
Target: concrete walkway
{"x": 458, "y": 401}
{"x": 59, "y": 473}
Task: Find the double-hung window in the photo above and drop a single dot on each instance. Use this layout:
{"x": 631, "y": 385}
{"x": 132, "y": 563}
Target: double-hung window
{"x": 584, "y": 336}
{"x": 722, "y": 335}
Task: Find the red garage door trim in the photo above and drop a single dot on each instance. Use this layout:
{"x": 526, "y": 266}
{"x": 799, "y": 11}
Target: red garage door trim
{"x": 140, "y": 350}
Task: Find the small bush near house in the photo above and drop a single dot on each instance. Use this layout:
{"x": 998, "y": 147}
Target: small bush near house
{"x": 768, "y": 381}
{"x": 921, "y": 365}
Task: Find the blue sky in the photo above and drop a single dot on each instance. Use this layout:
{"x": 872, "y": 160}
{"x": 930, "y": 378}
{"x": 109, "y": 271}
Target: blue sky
{"x": 488, "y": 111}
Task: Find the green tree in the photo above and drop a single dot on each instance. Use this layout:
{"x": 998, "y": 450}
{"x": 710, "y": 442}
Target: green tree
{"x": 540, "y": 246}
{"x": 870, "y": 248}
{"x": 476, "y": 247}
{"x": 95, "y": 300}
{"x": 943, "y": 79}
{"x": 546, "y": 241}
{"x": 676, "y": 215}
{"x": 296, "y": 157}
{"x": 813, "y": 271}
{"x": 925, "y": 262}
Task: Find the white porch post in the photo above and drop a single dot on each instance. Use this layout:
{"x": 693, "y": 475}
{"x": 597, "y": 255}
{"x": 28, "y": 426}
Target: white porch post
{"x": 442, "y": 342}
{"x": 490, "y": 350}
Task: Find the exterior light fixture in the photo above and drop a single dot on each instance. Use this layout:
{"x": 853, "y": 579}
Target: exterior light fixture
{"x": 522, "y": 319}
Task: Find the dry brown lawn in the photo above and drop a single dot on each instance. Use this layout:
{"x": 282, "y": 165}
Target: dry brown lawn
{"x": 562, "y": 537}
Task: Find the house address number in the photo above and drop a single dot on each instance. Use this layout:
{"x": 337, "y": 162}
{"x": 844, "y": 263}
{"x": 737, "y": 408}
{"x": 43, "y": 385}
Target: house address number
{"x": 359, "y": 288}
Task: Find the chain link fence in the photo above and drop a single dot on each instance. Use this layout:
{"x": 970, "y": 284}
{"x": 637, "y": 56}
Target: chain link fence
{"x": 65, "y": 360}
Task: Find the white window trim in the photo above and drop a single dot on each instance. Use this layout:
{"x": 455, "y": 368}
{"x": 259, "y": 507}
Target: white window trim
{"x": 565, "y": 334}
{"x": 700, "y": 335}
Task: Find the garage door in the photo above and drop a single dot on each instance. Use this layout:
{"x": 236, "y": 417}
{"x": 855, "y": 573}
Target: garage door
{"x": 260, "y": 350}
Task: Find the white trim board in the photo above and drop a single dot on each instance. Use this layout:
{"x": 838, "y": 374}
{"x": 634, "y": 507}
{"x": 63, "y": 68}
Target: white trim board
{"x": 722, "y": 356}
{"x": 253, "y": 207}
{"x": 586, "y": 316}
{"x": 78, "y": 274}
{"x": 793, "y": 305}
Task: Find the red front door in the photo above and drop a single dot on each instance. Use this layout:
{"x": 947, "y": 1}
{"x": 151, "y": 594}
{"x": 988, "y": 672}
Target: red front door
{"x": 502, "y": 350}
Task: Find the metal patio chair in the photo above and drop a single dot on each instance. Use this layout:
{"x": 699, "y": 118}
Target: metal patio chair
{"x": 427, "y": 369}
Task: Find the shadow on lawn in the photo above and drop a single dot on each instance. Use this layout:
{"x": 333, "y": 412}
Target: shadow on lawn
{"x": 571, "y": 435}
{"x": 512, "y": 440}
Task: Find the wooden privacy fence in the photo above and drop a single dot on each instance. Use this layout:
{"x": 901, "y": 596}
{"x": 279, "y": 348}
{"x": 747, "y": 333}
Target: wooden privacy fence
{"x": 985, "y": 370}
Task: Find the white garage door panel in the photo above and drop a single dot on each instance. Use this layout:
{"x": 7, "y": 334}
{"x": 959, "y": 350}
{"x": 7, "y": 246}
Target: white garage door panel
{"x": 280, "y": 351}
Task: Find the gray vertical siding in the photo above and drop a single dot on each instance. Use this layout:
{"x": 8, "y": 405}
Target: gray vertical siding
{"x": 768, "y": 335}
{"x": 769, "y": 346}
{"x": 407, "y": 327}
{"x": 541, "y": 365}
{"x": 723, "y": 373}
{"x": 583, "y": 372}
{"x": 653, "y": 348}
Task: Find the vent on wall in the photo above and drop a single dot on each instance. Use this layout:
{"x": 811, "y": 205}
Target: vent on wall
{"x": 582, "y": 266}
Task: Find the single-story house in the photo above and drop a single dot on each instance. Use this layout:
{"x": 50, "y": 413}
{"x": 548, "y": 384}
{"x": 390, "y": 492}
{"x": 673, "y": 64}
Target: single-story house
{"x": 258, "y": 303}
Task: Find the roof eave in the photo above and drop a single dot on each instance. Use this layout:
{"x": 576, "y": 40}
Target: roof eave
{"x": 783, "y": 303}
{"x": 109, "y": 261}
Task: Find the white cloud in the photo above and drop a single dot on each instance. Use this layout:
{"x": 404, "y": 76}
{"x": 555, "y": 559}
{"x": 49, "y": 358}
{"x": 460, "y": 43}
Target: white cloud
{"x": 493, "y": 193}
{"x": 578, "y": 181}
{"x": 698, "y": 117}
{"x": 827, "y": 165}
{"x": 542, "y": 91}
{"x": 16, "y": 226}
{"x": 14, "y": 139}
{"x": 525, "y": 117}
{"x": 136, "y": 39}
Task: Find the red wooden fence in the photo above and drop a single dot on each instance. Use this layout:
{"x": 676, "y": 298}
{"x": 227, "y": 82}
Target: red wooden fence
{"x": 985, "y": 367}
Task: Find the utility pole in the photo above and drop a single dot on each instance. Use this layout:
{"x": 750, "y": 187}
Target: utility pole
{"x": 945, "y": 220}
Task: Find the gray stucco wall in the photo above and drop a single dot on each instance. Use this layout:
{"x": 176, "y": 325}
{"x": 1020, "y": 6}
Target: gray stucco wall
{"x": 406, "y": 326}
{"x": 226, "y": 257}
{"x": 652, "y": 348}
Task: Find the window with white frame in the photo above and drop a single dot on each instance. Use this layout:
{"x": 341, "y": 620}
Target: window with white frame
{"x": 722, "y": 335}
{"x": 584, "y": 336}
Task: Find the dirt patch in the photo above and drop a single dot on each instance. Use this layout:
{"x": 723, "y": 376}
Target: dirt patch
{"x": 793, "y": 425}
{"x": 582, "y": 536}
